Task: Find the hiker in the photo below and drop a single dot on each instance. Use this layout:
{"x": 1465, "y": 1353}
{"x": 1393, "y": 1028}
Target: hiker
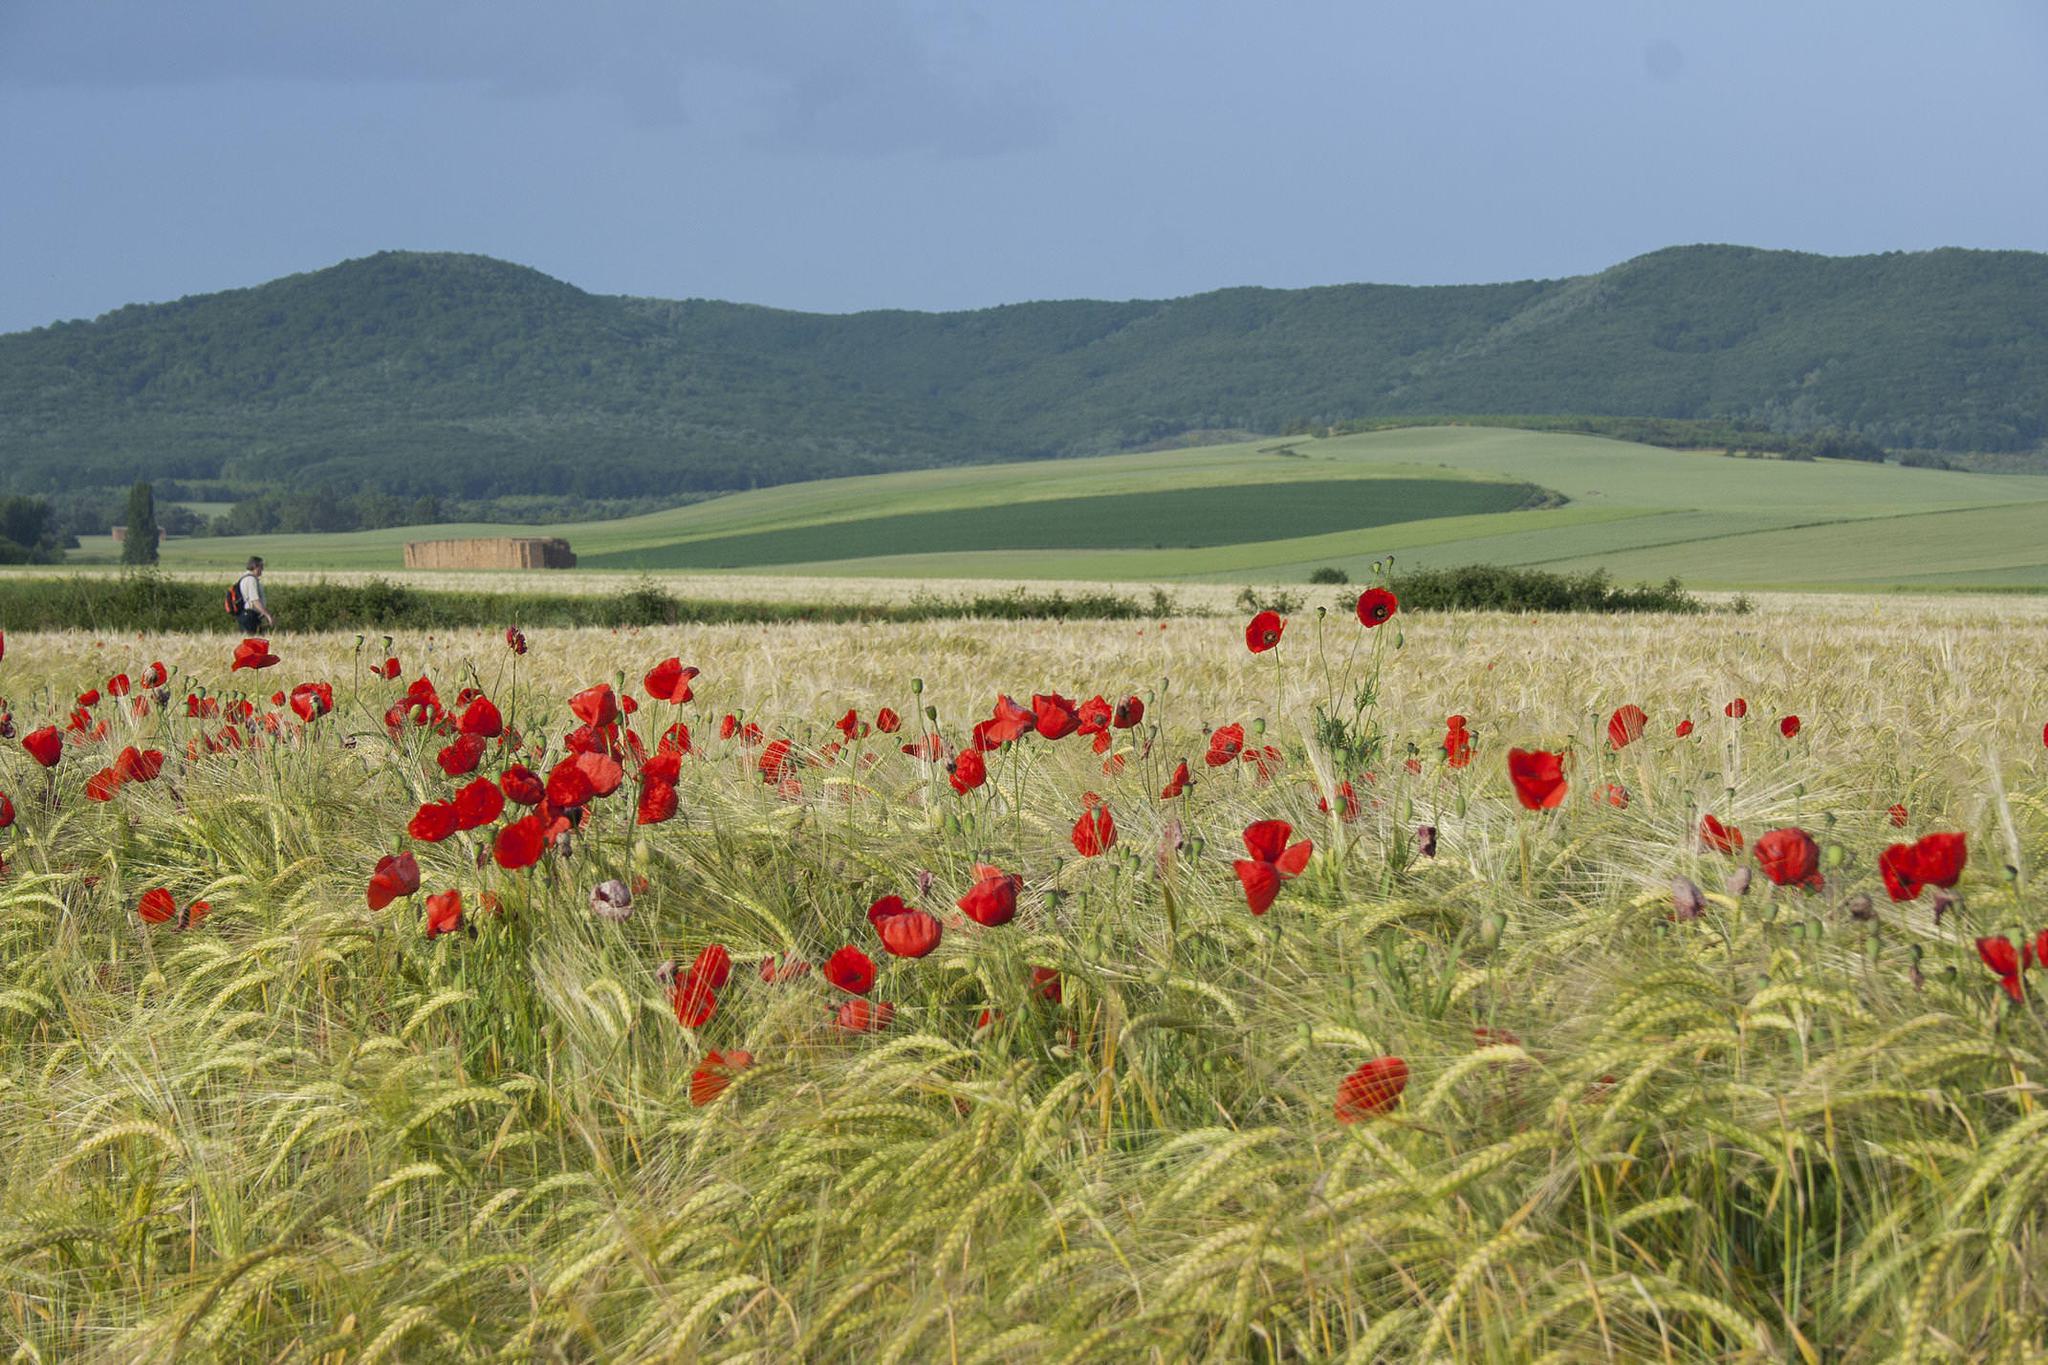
{"x": 252, "y": 615}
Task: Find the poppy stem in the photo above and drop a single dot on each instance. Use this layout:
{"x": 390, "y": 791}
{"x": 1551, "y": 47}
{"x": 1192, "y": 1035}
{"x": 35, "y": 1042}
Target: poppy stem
{"x": 1522, "y": 830}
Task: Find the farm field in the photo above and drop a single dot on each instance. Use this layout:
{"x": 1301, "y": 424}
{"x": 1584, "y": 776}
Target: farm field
{"x": 1502, "y": 1070}
{"x": 1274, "y": 510}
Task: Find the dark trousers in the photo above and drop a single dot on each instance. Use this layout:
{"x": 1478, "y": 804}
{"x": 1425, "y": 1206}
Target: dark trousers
{"x": 250, "y": 620}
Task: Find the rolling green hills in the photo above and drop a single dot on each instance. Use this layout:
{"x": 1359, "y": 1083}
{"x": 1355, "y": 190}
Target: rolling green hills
{"x": 466, "y": 377}
{"x": 1276, "y": 510}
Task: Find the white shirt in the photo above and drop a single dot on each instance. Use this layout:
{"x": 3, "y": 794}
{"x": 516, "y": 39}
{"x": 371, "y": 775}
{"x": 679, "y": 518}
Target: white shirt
{"x": 251, "y": 588}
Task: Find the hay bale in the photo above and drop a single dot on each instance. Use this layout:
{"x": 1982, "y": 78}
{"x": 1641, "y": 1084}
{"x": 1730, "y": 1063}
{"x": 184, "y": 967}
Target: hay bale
{"x": 491, "y": 552}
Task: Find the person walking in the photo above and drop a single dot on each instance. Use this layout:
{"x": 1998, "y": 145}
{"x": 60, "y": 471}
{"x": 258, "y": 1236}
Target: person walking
{"x": 254, "y": 617}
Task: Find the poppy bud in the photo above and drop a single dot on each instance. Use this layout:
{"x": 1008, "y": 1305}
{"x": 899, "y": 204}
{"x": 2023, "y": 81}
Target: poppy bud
{"x": 1686, "y": 900}
{"x": 917, "y": 687}
{"x": 1196, "y": 845}
{"x": 1834, "y": 855}
{"x": 931, "y": 713}
{"x": 1258, "y": 725}
{"x": 1308, "y": 1035}
{"x": 387, "y": 644}
{"x": 642, "y": 853}
{"x": 359, "y": 644}
{"x": 1490, "y": 930}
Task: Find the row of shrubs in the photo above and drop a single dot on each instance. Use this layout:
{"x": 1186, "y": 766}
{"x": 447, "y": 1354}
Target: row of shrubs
{"x": 146, "y": 600}
{"x": 1487, "y": 587}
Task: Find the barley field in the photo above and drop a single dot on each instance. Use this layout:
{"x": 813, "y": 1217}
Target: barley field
{"x": 1523, "y": 1059}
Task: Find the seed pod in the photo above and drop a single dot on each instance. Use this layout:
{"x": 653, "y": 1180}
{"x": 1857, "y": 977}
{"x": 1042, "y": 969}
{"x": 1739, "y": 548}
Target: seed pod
{"x": 1859, "y": 907}
{"x": 1425, "y": 840}
{"x": 1738, "y": 882}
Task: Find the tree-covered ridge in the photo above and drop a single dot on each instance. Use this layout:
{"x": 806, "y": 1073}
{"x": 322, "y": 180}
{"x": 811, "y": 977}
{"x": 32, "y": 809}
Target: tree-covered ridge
{"x": 466, "y": 377}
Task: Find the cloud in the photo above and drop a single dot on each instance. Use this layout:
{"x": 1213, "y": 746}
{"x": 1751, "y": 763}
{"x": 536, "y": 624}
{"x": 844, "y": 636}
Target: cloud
{"x": 846, "y": 79}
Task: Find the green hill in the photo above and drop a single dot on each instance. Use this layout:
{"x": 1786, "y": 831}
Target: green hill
{"x": 1276, "y": 510}
{"x": 468, "y": 377}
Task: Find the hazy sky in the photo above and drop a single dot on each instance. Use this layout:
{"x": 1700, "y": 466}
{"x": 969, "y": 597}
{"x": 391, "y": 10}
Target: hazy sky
{"x": 850, "y": 155}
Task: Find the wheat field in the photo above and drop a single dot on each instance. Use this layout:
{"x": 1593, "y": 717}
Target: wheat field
{"x": 1796, "y": 1124}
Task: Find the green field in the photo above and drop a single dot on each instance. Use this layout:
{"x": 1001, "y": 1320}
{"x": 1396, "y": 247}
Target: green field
{"x": 1275, "y": 510}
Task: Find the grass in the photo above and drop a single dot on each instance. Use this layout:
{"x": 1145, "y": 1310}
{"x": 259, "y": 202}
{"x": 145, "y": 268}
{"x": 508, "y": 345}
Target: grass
{"x": 1646, "y": 513}
{"x": 302, "y": 1130}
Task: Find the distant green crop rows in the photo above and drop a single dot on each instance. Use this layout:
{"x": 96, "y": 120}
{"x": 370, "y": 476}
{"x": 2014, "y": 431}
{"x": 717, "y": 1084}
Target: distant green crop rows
{"x": 1181, "y": 518}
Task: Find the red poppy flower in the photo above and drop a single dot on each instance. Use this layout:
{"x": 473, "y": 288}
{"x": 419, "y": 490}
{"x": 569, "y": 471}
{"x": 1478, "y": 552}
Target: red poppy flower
{"x": 478, "y": 804}
{"x": 6, "y": 811}
{"x": 482, "y": 718}
{"x": 1178, "y": 783}
{"x": 1010, "y": 722}
{"x": 1718, "y": 837}
{"x": 312, "y": 700}
{"x": 670, "y": 681}
{"x": 1128, "y": 712}
{"x": 45, "y": 746}
{"x": 774, "y": 759}
{"x": 1538, "y": 777}
{"x": 602, "y": 771}
{"x": 1348, "y": 807}
{"x": 657, "y": 804}
{"x": 712, "y": 965}
{"x": 596, "y": 706}
{"x": 387, "y": 670}
{"x": 851, "y": 970}
{"x": 159, "y": 907}
{"x": 1736, "y": 710}
{"x": 1225, "y": 743}
{"x": 444, "y": 913}
{"x": 928, "y": 749}
{"x": 1789, "y": 726}
{"x": 1264, "y": 631}
{"x": 1265, "y": 761}
{"x": 1934, "y": 860}
{"x": 520, "y": 843}
{"x": 1054, "y": 715}
{"x": 1898, "y": 817}
{"x": 1272, "y": 862}
{"x": 118, "y": 685}
{"x": 1095, "y": 831}
{"x": 967, "y": 771}
{"x": 2008, "y": 962}
{"x": 1045, "y": 984}
{"x": 460, "y": 758}
{"x": 1684, "y": 728}
{"x": 433, "y": 822}
{"x": 887, "y": 721}
{"x": 904, "y": 931}
{"x": 992, "y": 901}
{"x": 154, "y": 675}
{"x": 1457, "y": 743}
{"x": 252, "y": 653}
{"x": 1376, "y": 606}
{"x": 1486, "y": 1036}
{"x": 860, "y": 1016}
{"x": 1789, "y": 857}
{"x": 515, "y": 639}
{"x": 1372, "y": 1089}
{"x": 849, "y": 724}
{"x": 397, "y": 876}
{"x": 715, "y": 1073}
{"x": 1617, "y": 795}
{"x": 522, "y": 784}
{"x": 102, "y": 785}
{"x": 568, "y": 784}
{"x": 1625, "y": 726}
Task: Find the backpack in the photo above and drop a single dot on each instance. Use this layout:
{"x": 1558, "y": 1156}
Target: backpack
{"x": 235, "y": 598}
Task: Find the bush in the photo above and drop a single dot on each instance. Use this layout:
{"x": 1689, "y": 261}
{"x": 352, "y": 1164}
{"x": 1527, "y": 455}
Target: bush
{"x": 1487, "y": 587}
{"x": 1329, "y": 573}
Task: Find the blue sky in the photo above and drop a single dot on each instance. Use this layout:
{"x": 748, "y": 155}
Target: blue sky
{"x": 860, "y": 155}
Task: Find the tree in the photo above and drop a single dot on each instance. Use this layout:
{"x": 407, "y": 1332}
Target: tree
{"x": 28, "y": 532}
{"x": 138, "y": 543}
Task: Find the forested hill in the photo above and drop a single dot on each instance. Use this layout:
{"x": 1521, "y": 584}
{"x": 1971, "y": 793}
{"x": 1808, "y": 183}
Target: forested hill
{"x": 470, "y": 377}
